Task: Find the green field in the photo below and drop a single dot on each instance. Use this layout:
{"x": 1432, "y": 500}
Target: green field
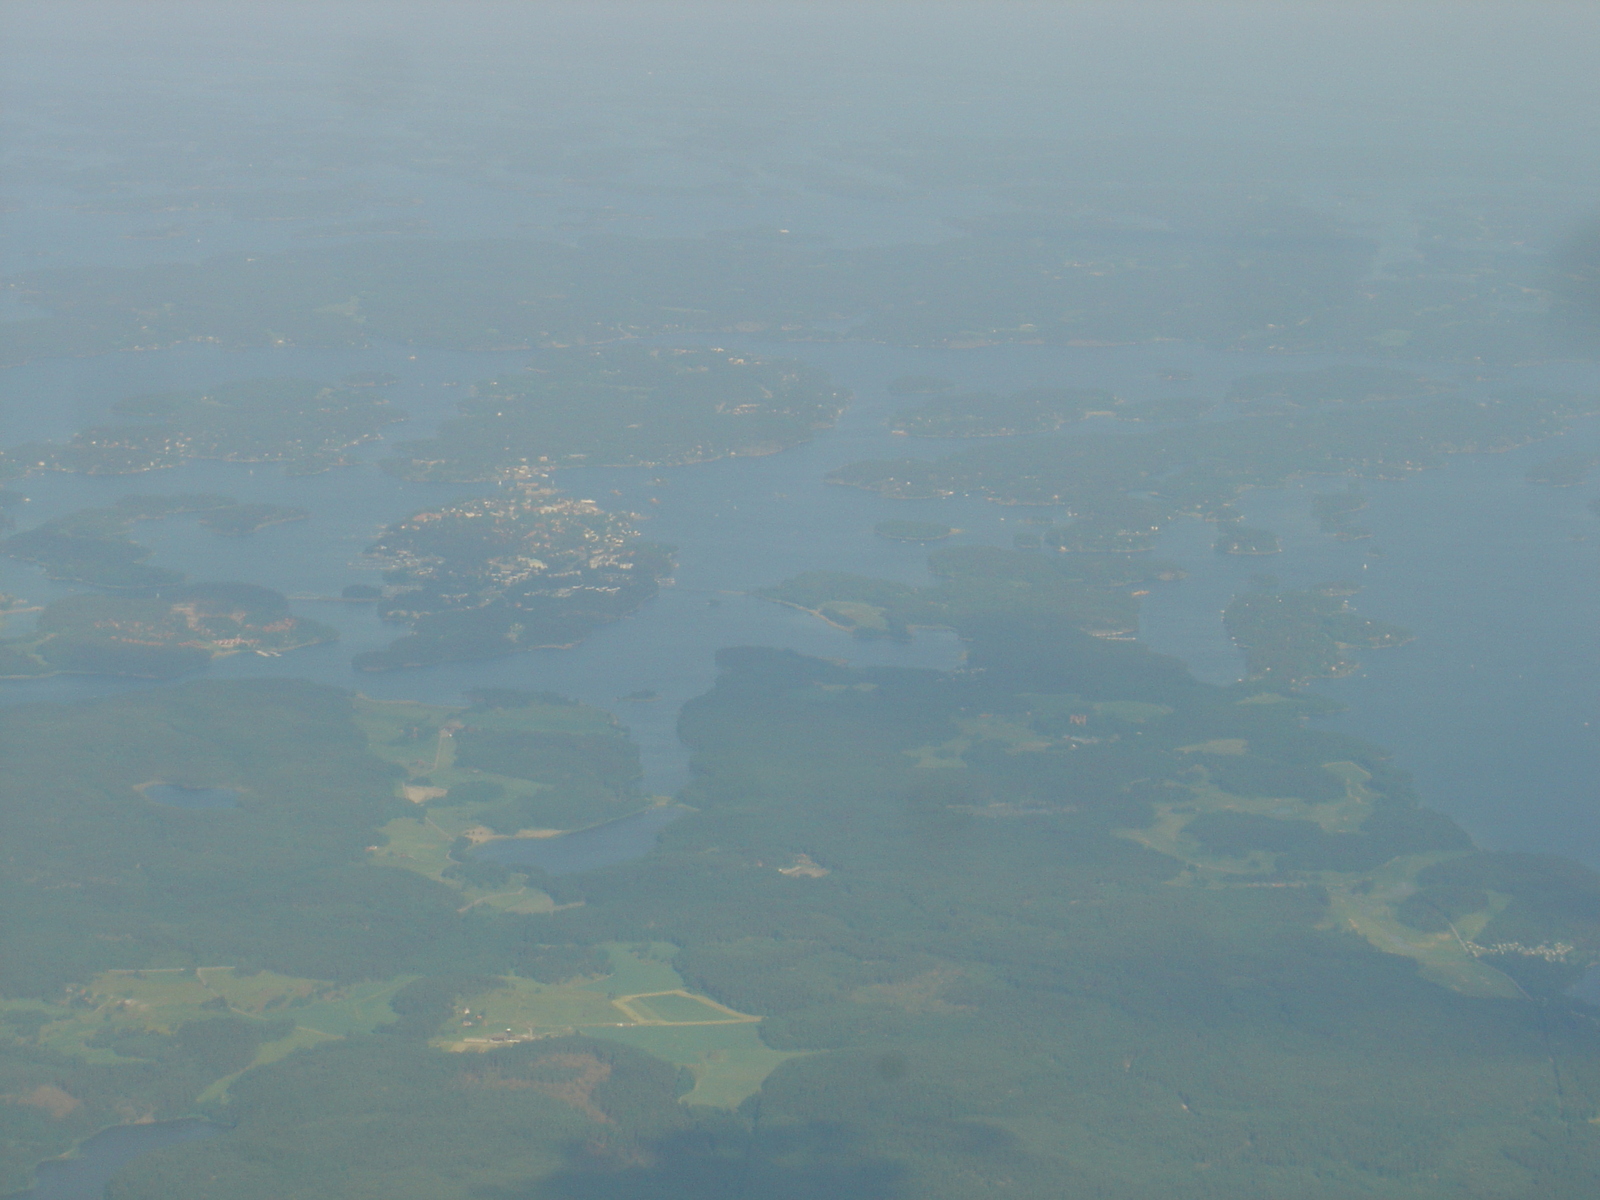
{"x": 1363, "y": 903}
{"x": 1167, "y": 836}
{"x": 681, "y": 1008}
{"x": 421, "y": 739}
{"x": 162, "y": 1001}
{"x": 854, "y": 614}
{"x": 729, "y": 1062}
{"x": 1366, "y": 905}
{"x": 643, "y": 1004}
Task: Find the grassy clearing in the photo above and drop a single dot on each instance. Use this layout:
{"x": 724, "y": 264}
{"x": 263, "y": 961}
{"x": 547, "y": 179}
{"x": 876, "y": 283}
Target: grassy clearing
{"x": 729, "y": 1062}
{"x": 422, "y": 844}
{"x": 1363, "y": 903}
{"x": 161, "y": 1001}
{"x": 1166, "y": 835}
{"x": 413, "y": 844}
{"x": 417, "y": 736}
{"x": 421, "y": 739}
{"x": 642, "y": 1002}
{"x": 1366, "y": 905}
{"x": 1016, "y": 735}
{"x": 1019, "y": 736}
{"x": 854, "y": 614}
{"x": 300, "y": 1038}
{"x": 1228, "y": 746}
{"x": 680, "y": 1008}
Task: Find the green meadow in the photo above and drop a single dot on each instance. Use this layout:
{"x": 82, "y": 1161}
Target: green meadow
{"x": 642, "y": 1003}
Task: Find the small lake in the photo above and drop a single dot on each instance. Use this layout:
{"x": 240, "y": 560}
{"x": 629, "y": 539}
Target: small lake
{"x": 619, "y": 841}
{"x": 107, "y": 1152}
{"x": 178, "y": 796}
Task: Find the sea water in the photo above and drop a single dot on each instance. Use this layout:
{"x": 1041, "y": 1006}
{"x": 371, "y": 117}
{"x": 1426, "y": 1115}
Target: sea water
{"x": 1493, "y": 706}
{"x": 84, "y": 1176}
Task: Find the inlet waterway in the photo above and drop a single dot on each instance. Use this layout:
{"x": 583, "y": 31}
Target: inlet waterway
{"x": 607, "y": 845}
{"x": 1494, "y": 706}
{"x": 85, "y": 1175}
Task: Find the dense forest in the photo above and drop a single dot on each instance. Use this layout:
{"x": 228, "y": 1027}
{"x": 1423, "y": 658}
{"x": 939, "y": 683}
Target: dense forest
{"x": 1068, "y": 914}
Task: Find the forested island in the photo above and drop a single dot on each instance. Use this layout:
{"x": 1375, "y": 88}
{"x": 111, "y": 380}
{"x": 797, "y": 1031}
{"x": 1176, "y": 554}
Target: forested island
{"x": 523, "y": 569}
{"x": 1166, "y": 408}
{"x": 1109, "y": 524}
{"x": 913, "y": 531}
{"x": 94, "y": 546}
{"x": 1274, "y": 391}
{"x": 987, "y": 414}
{"x": 1299, "y": 635}
{"x": 978, "y": 583}
{"x": 1200, "y": 469}
{"x": 624, "y": 406}
{"x": 296, "y": 422}
{"x": 1235, "y": 538}
{"x": 1566, "y": 470}
{"x": 1333, "y": 511}
{"x": 170, "y": 633}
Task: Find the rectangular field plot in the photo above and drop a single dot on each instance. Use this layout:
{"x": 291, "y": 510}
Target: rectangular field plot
{"x": 642, "y": 1003}
{"x": 679, "y": 1008}
{"x": 729, "y": 1062}
{"x": 524, "y": 1005}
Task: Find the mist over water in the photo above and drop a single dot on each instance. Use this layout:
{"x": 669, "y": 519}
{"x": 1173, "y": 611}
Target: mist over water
{"x": 1172, "y": 222}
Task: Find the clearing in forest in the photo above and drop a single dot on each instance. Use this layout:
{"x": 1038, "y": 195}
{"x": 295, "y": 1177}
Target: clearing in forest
{"x": 643, "y": 1003}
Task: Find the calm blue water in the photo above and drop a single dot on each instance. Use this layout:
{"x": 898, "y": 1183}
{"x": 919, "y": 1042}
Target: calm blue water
{"x": 606, "y": 845}
{"x": 1494, "y": 706}
{"x": 84, "y": 1177}
{"x": 665, "y": 126}
{"x": 192, "y": 797}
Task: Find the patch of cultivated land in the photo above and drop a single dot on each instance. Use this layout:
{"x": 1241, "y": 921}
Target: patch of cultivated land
{"x": 1167, "y": 834}
{"x": 161, "y": 1001}
{"x": 1364, "y": 903}
{"x": 643, "y": 1003}
{"x": 421, "y": 739}
{"x": 679, "y": 1008}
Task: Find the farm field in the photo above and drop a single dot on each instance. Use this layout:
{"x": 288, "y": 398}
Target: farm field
{"x": 643, "y": 1004}
{"x": 1367, "y": 906}
{"x": 1167, "y": 835}
{"x": 293, "y": 1013}
{"x": 1363, "y": 903}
